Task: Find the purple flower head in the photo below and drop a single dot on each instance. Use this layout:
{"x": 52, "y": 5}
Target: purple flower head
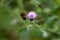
{"x": 31, "y": 15}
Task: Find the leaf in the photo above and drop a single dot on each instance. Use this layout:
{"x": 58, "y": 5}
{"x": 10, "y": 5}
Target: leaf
{"x": 50, "y": 21}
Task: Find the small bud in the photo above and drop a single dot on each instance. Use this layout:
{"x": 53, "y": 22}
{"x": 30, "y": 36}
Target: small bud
{"x": 23, "y": 15}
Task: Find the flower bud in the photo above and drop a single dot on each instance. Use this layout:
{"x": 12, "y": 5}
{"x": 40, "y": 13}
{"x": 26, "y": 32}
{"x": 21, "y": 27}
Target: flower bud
{"x": 23, "y": 15}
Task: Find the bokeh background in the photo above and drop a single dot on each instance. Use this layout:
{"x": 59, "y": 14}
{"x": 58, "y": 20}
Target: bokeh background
{"x": 46, "y": 25}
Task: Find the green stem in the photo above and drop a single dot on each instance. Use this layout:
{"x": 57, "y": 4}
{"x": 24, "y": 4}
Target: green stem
{"x": 21, "y": 5}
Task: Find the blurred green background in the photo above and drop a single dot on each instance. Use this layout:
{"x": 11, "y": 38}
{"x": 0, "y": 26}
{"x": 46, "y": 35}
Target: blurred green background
{"x": 46, "y": 26}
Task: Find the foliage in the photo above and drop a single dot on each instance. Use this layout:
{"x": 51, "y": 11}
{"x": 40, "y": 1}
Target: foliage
{"x": 46, "y": 26}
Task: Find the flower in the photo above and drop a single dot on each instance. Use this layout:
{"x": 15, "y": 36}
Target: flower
{"x": 31, "y": 15}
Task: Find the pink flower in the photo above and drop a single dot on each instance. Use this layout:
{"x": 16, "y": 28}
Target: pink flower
{"x": 31, "y": 15}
